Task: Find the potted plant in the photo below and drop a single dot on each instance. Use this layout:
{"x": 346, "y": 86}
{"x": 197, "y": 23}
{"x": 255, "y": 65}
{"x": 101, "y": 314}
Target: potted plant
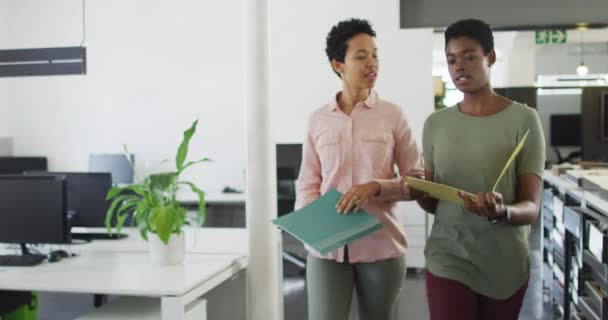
{"x": 154, "y": 208}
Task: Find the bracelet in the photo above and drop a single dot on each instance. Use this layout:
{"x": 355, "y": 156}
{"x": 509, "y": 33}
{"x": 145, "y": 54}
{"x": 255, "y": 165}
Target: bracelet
{"x": 506, "y": 218}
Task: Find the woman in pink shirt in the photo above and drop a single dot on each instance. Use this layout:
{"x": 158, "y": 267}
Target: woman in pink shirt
{"x": 353, "y": 144}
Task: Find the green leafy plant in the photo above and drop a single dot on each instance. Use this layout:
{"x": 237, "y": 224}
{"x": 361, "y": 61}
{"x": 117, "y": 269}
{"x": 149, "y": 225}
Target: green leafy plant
{"x": 153, "y": 203}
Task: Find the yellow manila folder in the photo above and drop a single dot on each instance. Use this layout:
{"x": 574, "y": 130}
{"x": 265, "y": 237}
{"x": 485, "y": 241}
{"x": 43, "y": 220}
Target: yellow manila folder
{"x": 438, "y": 190}
{"x": 447, "y": 193}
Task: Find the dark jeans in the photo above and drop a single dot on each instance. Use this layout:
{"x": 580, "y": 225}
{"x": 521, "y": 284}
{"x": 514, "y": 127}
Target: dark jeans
{"x": 449, "y": 299}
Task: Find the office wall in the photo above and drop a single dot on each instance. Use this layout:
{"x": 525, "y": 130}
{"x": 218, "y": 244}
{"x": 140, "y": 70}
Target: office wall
{"x": 153, "y": 67}
{"x": 3, "y": 114}
{"x": 302, "y": 79}
{"x": 562, "y": 59}
{"x": 516, "y": 54}
{"x": 3, "y": 90}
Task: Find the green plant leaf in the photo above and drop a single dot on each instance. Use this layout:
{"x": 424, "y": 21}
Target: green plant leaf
{"x": 192, "y": 163}
{"x": 162, "y": 181}
{"x": 141, "y": 219}
{"x": 112, "y": 208}
{"x": 139, "y": 189}
{"x": 128, "y": 155}
{"x": 201, "y": 201}
{"x": 182, "y": 151}
{"x": 128, "y": 206}
{"x": 162, "y": 220}
{"x": 113, "y": 192}
{"x": 180, "y": 219}
{"x": 120, "y": 221}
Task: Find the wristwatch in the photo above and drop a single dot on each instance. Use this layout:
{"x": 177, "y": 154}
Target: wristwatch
{"x": 506, "y": 218}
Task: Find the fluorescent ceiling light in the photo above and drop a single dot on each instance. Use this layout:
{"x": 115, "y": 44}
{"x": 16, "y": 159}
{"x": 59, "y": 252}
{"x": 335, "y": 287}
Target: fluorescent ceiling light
{"x": 43, "y": 61}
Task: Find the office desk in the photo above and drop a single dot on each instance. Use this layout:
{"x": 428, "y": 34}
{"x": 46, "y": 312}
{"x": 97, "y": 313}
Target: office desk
{"x": 198, "y": 240}
{"x": 122, "y": 267}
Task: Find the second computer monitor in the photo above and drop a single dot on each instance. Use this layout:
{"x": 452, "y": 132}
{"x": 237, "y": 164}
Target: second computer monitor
{"x": 17, "y": 165}
{"x": 566, "y": 130}
{"x": 33, "y": 209}
{"x": 116, "y": 164}
{"x": 86, "y": 195}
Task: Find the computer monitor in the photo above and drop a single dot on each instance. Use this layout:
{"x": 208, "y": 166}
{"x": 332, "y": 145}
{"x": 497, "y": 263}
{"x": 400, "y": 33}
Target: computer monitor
{"x": 17, "y": 165}
{"x": 566, "y": 130}
{"x": 86, "y": 194}
{"x": 116, "y": 164}
{"x": 33, "y": 209}
{"x": 289, "y": 160}
{"x": 87, "y": 204}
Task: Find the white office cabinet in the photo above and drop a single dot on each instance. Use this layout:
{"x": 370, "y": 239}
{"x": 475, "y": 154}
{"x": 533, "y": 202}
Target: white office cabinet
{"x": 412, "y": 218}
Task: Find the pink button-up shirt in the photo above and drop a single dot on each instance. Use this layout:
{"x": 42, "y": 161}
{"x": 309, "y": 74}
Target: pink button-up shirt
{"x": 341, "y": 151}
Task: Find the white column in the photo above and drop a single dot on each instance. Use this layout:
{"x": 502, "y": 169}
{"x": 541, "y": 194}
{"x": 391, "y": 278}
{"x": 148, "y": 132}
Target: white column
{"x": 264, "y": 293}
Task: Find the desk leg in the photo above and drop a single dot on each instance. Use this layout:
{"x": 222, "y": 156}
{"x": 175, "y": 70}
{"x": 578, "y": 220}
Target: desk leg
{"x": 99, "y": 300}
{"x": 174, "y": 308}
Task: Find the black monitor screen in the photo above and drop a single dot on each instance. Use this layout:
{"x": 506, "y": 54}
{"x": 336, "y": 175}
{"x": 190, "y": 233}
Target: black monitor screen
{"x": 566, "y": 130}
{"x": 86, "y": 196}
{"x": 17, "y": 165}
{"x": 289, "y": 160}
{"x": 33, "y": 209}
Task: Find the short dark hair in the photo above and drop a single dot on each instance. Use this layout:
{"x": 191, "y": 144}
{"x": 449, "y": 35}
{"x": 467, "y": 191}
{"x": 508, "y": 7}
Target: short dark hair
{"x": 337, "y": 38}
{"x": 471, "y": 28}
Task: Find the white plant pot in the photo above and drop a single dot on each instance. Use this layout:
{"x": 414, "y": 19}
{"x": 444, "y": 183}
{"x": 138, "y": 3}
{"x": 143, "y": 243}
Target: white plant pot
{"x": 167, "y": 254}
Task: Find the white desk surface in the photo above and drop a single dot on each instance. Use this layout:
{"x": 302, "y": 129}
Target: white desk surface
{"x": 119, "y": 273}
{"x": 212, "y": 198}
{"x": 198, "y": 240}
{"x": 122, "y": 267}
{"x": 596, "y": 201}
{"x": 561, "y": 182}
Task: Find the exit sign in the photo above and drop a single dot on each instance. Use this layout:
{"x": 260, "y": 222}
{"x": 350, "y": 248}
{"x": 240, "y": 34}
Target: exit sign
{"x": 551, "y": 36}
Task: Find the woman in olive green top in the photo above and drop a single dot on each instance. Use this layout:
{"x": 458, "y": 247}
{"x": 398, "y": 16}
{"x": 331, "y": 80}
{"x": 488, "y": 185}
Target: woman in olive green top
{"x": 477, "y": 255}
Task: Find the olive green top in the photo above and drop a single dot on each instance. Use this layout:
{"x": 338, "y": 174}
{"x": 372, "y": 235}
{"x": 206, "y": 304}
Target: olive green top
{"x": 468, "y": 153}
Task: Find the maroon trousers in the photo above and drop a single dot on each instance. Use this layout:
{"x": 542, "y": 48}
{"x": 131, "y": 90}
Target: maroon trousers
{"x": 452, "y": 300}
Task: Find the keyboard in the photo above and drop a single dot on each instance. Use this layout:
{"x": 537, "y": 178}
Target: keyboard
{"x": 21, "y": 260}
{"x": 98, "y": 236}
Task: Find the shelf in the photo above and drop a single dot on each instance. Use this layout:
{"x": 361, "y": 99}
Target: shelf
{"x": 548, "y": 199}
{"x": 573, "y": 220}
{"x": 598, "y": 299}
{"x": 600, "y": 269}
{"x": 547, "y": 216}
{"x": 547, "y": 245}
{"x": 547, "y": 276}
{"x": 585, "y": 306}
{"x": 558, "y": 294}
{"x": 596, "y": 241}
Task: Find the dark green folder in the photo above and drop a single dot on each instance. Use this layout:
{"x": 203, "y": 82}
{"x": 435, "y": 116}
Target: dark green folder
{"x": 320, "y": 226}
